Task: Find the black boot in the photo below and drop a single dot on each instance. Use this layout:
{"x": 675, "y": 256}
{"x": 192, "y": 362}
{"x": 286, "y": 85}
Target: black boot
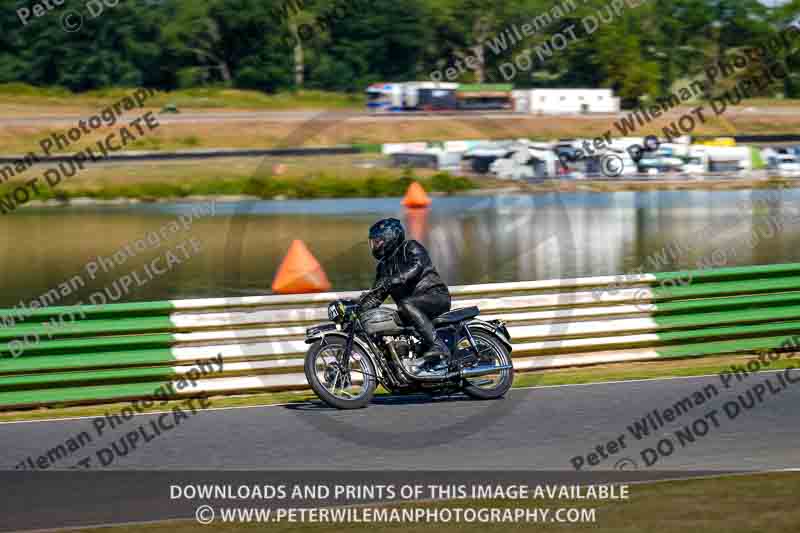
{"x": 435, "y": 354}
{"x": 436, "y": 358}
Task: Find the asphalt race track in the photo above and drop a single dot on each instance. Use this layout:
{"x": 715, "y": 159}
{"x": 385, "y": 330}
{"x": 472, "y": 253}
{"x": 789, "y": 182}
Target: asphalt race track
{"x": 541, "y": 428}
{"x": 531, "y": 437}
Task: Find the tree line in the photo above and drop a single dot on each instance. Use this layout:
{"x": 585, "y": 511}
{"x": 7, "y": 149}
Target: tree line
{"x": 344, "y": 45}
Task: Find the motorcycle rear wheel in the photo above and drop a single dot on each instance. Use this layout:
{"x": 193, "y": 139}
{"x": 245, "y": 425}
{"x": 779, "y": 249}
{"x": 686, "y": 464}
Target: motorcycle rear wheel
{"x": 492, "y": 386}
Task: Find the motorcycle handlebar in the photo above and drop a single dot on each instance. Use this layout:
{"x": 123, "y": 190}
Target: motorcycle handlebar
{"x": 365, "y": 296}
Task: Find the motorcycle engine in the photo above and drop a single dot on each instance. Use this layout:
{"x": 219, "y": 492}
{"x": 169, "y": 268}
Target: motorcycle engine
{"x": 403, "y": 346}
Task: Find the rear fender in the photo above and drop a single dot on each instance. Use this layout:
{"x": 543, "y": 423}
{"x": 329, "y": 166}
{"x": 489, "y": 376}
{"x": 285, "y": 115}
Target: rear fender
{"x": 493, "y": 327}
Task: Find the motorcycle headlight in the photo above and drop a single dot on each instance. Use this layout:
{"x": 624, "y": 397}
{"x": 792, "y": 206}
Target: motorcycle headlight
{"x": 334, "y": 312}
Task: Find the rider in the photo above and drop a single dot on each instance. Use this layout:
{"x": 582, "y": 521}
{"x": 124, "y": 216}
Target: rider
{"x": 405, "y": 272}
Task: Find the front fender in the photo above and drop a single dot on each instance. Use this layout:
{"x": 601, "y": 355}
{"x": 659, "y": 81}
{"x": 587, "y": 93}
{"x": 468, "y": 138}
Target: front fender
{"x": 321, "y": 336}
{"x": 315, "y": 333}
{"x": 493, "y": 327}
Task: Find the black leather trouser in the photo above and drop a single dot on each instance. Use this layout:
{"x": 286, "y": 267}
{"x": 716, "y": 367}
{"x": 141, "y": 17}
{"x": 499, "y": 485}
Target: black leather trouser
{"x": 420, "y": 310}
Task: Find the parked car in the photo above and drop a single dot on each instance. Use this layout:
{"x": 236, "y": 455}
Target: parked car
{"x": 695, "y": 165}
{"x": 660, "y": 163}
{"x": 526, "y": 162}
{"x": 788, "y": 165}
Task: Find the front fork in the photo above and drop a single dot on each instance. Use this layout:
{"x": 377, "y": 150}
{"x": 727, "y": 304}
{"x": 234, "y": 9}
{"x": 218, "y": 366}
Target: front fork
{"x": 344, "y": 360}
{"x": 379, "y": 362}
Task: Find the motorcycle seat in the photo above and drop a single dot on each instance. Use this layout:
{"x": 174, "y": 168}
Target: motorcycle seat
{"x": 455, "y": 316}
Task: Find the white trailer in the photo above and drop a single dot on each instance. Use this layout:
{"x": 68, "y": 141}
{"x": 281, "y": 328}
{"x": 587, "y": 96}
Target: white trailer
{"x": 563, "y": 101}
{"x": 720, "y": 158}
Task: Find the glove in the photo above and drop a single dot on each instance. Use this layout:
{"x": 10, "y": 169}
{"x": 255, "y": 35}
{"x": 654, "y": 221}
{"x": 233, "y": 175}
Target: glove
{"x": 368, "y": 301}
{"x": 386, "y": 284}
{"x": 362, "y": 298}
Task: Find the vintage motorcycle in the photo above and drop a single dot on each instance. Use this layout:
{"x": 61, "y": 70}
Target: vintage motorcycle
{"x": 360, "y": 349}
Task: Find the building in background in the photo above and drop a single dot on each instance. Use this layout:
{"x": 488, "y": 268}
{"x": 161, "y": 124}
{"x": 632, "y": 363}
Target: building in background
{"x": 556, "y": 101}
{"x": 440, "y": 96}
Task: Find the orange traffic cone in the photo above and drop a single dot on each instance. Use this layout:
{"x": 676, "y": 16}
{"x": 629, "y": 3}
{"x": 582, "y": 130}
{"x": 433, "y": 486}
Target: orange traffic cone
{"x": 300, "y": 272}
{"x": 416, "y": 196}
{"x": 417, "y": 223}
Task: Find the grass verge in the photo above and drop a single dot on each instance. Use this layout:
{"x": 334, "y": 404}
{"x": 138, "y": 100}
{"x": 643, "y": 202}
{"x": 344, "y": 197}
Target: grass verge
{"x": 360, "y": 176}
{"x": 330, "y": 176}
{"x": 22, "y": 94}
{"x": 569, "y": 376}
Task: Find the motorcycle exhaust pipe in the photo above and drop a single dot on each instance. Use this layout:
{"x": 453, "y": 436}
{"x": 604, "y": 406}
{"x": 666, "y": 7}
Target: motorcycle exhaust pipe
{"x": 482, "y": 370}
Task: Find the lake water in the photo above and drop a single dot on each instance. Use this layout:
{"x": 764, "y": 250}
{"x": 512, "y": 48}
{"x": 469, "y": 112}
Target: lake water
{"x": 236, "y": 250}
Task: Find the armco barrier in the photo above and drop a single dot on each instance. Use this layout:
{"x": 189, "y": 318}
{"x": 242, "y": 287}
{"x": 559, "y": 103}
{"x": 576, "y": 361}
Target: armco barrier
{"x": 126, "y": 351}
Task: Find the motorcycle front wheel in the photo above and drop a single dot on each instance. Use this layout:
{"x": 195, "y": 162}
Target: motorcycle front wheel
{"x": 351, "y": 389}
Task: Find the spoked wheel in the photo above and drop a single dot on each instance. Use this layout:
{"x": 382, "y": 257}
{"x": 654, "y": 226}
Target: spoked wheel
{"x": 349, "y": 388}
{"x": 490, "y": 352}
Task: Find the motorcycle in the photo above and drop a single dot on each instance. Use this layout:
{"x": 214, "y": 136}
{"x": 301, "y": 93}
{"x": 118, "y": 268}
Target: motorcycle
{"x": 360, "y": 349}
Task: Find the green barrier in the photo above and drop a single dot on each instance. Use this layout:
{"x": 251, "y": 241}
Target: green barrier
{"x": 89, "y": 327}
{"x": 86, "y": 361}
{"x": 731, "y": 273}
{"x": 79, "y": 395}
{"x": 92, "y": 344}
{"x": 126, "y": 351}
{"x": 40, "y": 314}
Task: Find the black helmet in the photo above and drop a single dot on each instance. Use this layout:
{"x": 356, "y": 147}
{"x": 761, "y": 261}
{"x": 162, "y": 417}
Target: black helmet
{"x": 385, "y": 236}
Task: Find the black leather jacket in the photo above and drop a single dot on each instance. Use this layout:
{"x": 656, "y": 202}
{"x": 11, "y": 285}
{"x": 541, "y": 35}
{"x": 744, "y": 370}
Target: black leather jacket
{"x": 410, "y": 272}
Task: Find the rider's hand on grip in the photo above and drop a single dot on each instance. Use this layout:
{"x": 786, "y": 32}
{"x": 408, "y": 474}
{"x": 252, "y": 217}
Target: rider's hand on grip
{"x": 384, "y": 284}
{"x": 362, "y": 300}
{"x": 368, "y": 301}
